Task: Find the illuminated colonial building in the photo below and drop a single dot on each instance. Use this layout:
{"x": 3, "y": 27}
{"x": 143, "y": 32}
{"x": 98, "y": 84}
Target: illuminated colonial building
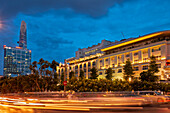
{"x": 138, "y": 50}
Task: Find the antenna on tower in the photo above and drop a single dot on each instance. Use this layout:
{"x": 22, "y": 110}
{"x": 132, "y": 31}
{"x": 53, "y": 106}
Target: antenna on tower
{"x": 123, "y": 35}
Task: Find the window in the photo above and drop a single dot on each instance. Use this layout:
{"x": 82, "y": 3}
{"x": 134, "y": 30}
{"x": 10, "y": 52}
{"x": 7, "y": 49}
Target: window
{"x": 127, "y": 55}
{"x": 145, "y": 67}
{"x": 94, "y": 63}
{"x": 100, "y": 61}
{"x": 159, "y": 65}
{"x": 119, "y": 57}
{"x": 145, "y": 59}
{"x": 100, "y": 73}
{"x": 136, "y": 60}
{"x": 158, "y": 57}
{"x": 84, "y": 65}
{"x": 119, "y": 70}
{"x": 80, "y": 66}
{"x": 113, "y": 71}
{"x": 135, "y": 53}
{"x": 89, "y": 64}
{"x": 106, "y": 60}
{"x": 76, "y": 67}
{"x": 113, "y": 59}
{"x": 156, "y": 49}
{"x": 145, "y": 51}
{"x": 113, "y": 65}
{"x": 136, "y": 68}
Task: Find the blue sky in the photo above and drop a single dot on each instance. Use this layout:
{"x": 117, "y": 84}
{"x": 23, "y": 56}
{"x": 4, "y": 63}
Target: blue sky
{"x": 57, "y": 28}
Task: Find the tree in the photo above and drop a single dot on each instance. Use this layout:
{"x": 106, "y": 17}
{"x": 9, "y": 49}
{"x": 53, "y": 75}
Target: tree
{"x": 153, "y": 68}
{"x": 81, "y": 75}
{"x": 109, "y": 73}
{"x": 71, "y": 75}
{"x": 93, "y": 73}
{"x": 128, "y": 70}
{"x": 41, "y": 62}
{"x": 62, "y": 78}
{"x": 149, "y": 75}
{"x": 53, "y": 66}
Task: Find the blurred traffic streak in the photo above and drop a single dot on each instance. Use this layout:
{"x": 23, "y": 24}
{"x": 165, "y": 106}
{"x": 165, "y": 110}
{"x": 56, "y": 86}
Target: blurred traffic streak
{"x": 84, "y": 101}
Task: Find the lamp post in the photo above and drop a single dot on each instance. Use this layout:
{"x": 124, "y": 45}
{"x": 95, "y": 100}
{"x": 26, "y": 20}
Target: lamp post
{"x": 65, "y": 64}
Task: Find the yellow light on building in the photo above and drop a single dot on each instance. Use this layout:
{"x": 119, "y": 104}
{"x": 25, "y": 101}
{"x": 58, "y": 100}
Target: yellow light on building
{"x": 131, "y": 41}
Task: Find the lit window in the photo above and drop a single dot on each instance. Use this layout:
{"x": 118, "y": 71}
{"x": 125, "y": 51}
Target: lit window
{"x": 145, "y": 67}
{"x": 159, "y": 65}
{"x": 135, "y": 53}
{"x": 113, "y": 65}
{"x": 119, "y": 71}
{"x": 145, "y": 51}
{"x": 113, "y": 71}
{"x": 127, "y": 55}
{"x": 136, "y": 68}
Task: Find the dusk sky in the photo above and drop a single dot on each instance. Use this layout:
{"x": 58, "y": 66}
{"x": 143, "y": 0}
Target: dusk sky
{"x": 57, "y": 28}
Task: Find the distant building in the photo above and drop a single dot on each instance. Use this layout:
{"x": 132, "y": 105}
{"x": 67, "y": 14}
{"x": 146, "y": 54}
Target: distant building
{"x": 23, "y": 36}
{"x": 115, "y": 54}
{"x": 17, "y": 59}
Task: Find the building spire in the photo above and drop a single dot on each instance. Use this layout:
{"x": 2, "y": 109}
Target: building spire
{"x": 23, "y": 35}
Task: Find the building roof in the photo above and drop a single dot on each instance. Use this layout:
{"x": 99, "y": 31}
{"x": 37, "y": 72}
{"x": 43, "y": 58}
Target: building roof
{"x": 133, "y": 40}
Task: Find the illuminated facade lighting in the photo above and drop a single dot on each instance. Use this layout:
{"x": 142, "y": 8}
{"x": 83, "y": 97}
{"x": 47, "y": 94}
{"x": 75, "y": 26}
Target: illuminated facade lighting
{"x": 138, "y": 50}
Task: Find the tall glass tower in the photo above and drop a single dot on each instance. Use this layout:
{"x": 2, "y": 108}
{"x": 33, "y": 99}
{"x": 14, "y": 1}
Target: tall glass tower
{"x": 17, "y": 59}
{"x": 23, "y": 36}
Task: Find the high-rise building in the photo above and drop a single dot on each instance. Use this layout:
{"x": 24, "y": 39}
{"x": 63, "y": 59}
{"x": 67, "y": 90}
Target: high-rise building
{"x": 17, "y": 59}
{"x": 23, "y": 36}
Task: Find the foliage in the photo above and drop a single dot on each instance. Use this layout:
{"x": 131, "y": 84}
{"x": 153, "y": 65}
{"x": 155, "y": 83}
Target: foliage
{"x": 149, "y": 75}
{"x": 109, "y": 73}
{"x": 62, "y": 78}
{"x": 43, "y": 79}
{"x": 128, "y": 70}
{"x": 71, "y": 75}
{"x": 93, "y": 74}
{"x": 81, "y": 74}
{"x": 153, "y": 68}
{"x": 28, "y": 84}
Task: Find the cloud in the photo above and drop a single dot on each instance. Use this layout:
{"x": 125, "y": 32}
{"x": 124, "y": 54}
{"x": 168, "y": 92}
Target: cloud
{"x": 94, "y": 8}
{"x": 57, "y": 31}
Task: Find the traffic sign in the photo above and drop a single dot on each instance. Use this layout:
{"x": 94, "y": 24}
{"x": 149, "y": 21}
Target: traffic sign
{"x": 65, "y": 83}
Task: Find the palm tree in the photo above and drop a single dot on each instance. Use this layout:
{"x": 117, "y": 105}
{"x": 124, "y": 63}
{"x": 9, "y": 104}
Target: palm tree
{"x": 41, "y": 62}
{"x": 53, "y": 65}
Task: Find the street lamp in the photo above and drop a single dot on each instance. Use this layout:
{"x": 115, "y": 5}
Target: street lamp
{"x": 65, "y": 81}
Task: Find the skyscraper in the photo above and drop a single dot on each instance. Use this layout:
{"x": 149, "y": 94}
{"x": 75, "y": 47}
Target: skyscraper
{"x": 23, "y": 36}
{"x": 17, "y": 59}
